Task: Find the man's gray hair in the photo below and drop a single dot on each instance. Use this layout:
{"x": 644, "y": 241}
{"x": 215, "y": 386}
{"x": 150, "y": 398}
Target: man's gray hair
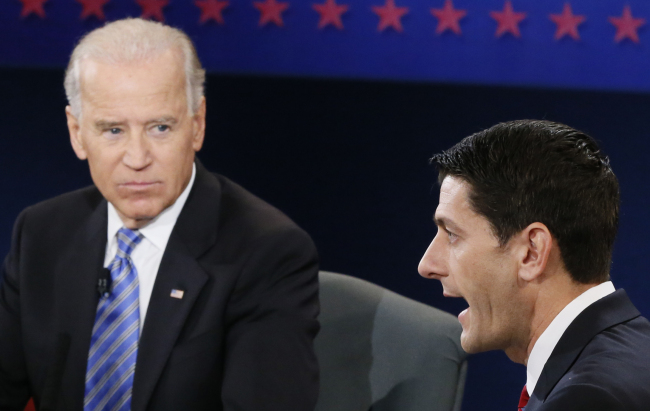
{"x": 132, "y": 40}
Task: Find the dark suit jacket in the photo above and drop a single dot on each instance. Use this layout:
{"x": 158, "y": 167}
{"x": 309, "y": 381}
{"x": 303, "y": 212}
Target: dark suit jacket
{"x": 601, "y": 363}
{"x": 240, "y": 338}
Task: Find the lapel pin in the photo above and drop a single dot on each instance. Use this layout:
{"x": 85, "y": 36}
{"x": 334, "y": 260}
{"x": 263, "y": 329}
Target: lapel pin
{"x": 177, "y": 294}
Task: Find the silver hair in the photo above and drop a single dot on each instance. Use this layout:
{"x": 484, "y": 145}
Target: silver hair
{"x": 132, "y": 40}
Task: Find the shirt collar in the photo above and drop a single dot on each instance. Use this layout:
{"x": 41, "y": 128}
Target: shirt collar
{"x": 160, "y": 228}
{"x": 546, "y": 343}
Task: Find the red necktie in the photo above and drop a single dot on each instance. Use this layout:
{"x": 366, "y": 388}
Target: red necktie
{"x": 523, "y": 400}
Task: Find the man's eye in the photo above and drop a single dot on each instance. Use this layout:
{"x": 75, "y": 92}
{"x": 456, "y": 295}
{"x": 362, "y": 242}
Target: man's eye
{"x": 115, "y": 131}
{"x": 161, "y": 128}
{"x": 452, "y": 237}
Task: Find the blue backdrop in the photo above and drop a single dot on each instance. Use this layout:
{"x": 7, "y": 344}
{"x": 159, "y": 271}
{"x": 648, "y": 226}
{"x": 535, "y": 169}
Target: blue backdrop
{"x": 360, "y": 50}
{"x": 297, "y": 115}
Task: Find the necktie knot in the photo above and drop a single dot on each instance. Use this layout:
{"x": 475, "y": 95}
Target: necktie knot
{"x": 126, "y": 241}
{"x": 523, "y": 399}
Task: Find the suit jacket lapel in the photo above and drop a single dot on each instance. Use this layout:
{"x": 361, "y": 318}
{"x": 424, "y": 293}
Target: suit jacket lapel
{"x": 193, "y": 234}
{"x": 604, "y": 313}
{"x": 76, "y": 294}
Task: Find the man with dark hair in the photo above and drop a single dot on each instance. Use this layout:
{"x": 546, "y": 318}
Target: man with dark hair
{"x": 527, "y": 218}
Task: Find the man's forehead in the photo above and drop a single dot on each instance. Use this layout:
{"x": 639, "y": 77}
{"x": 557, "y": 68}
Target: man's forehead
{"x": 117, "y": 86}
{"x": 454, "y": 207}
{"x": 454, "y": 191}
{"x": 166, "y": 61}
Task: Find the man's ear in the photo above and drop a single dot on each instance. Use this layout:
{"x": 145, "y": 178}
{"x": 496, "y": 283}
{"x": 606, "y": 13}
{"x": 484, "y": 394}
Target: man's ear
{"x": 75, "y": 136}
{"x": 536, "y": 243}
{"x": 199, "y": 126}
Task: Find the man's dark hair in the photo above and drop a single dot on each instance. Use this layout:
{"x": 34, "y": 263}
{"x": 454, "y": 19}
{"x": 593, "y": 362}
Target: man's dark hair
{"x": 527, "y": 171}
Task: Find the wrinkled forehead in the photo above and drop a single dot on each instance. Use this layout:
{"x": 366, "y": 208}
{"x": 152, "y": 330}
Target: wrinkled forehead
{"x": 162, "y": 75}
{"x": 168, "y": 63}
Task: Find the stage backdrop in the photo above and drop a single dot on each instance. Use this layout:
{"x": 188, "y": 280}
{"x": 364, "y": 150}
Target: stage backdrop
{"x": 335, "y": 125}
{"x": 578, "y": 44}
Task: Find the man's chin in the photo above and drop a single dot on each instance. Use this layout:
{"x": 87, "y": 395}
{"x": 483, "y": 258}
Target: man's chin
{"x": 138, "y": 218}
{"x": 467, "y": 346}
{"x": 469, "y": 343}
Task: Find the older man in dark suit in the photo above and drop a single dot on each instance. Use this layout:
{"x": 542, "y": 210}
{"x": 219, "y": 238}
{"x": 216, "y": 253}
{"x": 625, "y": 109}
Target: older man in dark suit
{"x": 527, "y": 218}
{"x": 163, "y": 286}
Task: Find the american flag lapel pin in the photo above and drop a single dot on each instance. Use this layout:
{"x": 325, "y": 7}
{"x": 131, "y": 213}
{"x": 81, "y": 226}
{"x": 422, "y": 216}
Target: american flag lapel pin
{"x": 177, "y": 294}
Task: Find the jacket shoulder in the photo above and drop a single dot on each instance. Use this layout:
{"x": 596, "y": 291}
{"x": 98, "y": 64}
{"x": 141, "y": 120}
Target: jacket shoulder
{"x": 72, "y": 202}
{"x": 61, "y": 211}
{"x": 248, "y": 213}
{"x": 248, "y": 224}
{"x": 614, "y": 366}
{"x": 582, "y": 397}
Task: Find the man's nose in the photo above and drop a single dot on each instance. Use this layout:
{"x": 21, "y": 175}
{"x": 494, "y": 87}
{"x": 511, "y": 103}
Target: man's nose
{"x": 137, "y": 154}
{"x": 432, "y": 263}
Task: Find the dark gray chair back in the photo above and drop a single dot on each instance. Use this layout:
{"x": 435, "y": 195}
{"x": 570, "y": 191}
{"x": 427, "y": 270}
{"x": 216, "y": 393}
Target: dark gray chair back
{"x": 380, "y": 351}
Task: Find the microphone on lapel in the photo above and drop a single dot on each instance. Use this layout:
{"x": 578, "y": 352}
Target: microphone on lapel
{"x": 104, "y": 283}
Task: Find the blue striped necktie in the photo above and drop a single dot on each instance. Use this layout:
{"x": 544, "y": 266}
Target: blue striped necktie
{"x": 114, "y": 342}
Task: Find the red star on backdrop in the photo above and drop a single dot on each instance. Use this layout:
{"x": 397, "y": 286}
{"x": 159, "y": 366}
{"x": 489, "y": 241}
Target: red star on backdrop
{"x": 153, "y": 8}
{"x": 508, "y": 20}
{"x": 567, "y": 23}
{"x": 330, "y": 13}
{"x": 448, "y": 18}
{"x": 211, "y": 9}
{"x": 92, "y": 8}
{"x": 389, "y": 15}
{"x": 626, "y": 26}
{"x": 33, "y": 6}
{"x": 271, "y": 11}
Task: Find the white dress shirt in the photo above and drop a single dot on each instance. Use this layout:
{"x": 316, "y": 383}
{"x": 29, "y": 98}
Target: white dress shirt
{"x": 148, "y": 254}
{"x": 551, "y": 336}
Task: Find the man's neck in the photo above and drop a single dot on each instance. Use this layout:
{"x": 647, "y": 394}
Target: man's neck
{"x": 545, "y": 343}
{"x": 551, "y": 300}
{"x": 546, "y": 298}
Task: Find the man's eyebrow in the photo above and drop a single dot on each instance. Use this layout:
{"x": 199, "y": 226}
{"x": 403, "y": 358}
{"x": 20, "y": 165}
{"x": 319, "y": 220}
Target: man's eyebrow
{"x": 165, "y": 119}
{"x": 446, "y": 223}
{"x": 440, "y": 221}
{"x": 103, "y": 124}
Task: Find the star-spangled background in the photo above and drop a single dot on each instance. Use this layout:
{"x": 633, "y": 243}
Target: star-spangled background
{"x": 360, "y": 50}
{"x": 332, "y": 116}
